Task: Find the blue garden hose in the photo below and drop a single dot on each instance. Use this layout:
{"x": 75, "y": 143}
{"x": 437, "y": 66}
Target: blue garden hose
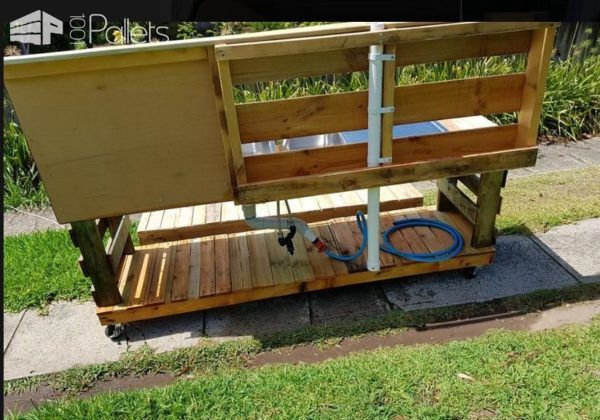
{"x": 441, "y": 255}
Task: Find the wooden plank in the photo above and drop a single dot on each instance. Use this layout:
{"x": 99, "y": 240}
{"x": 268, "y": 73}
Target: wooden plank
{"x": 259, "y": 260}
{"x": 181, "y": 273}
{"x": 143, "y": 272}
{"x": 228, "y": 212}
{"x": 488, "y": 202}
{"x": 280, "y": 262}
{"x": 387, "y": 119}
{"x": 170, "y": 218}
{"x": 207, "y": 266}
{"x": 472, "y": 182}
{"x": 231, "y": 131}
{"x": 385, "y": 259}
{"x": 194, "y": 275}
{"x": 458, "y": 198}
{"x": 90, "y": 244}
{"x": 388, "y": 175}
{"x": 199, "y": 216}
{"x": 305, "y": 116}
{"x": 125, "y": 137}
{"x": 397, "y": 239}
{"x": 356, "y": 59}
{"x": 538, "y": 60}
{"x": 300, "y": 262}
{"x": 412, "y": 236}
{"x": 222, "y": 265}
{"x": 386, "y": 36}
{"x": 213, "y": 213}
{"x": 118, "y": 314}
{"x": 155, "y": 220}
{"x": 160, "y": 273}
{"x": 328, "y": 237}
{"x": 185, "y": 217}
{"x": 346, "y": 245}
{"x": 116, "y": 246}
{"x": 239, "y": 257}
{"x": 321, "y": 264}
{"x": 143, "y": 224}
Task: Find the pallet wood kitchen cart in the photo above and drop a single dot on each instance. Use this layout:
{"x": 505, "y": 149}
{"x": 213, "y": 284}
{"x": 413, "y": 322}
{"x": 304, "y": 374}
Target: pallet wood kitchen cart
{"x": 156, "y": 129}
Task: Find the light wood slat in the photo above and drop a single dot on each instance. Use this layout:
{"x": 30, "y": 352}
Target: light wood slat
{"x": 346, "y": 245}
{"x": 207, "y": 266}
{"x": 259, "y": 260}
{"x": 169, "y": 218}
{"x": 387, "y": 36}
{"x": 124, "y": 273}
{"x": 309, "y": 204}
{"x": 444, "y": 237}
{"x": 300, "y": 261}
{"x": 213, "y": 213}
{"x": 289, "y": 118}
{"x": 231, "y": 131}
{"x": 116, "y": 245}
{"x": 328, "y": 237}
{"x": 194, "y": 281}
{"x": 143, "y": 274}
{"x": 239, "y": 256}
{"x": 388, "y": 175}
{"x": 325, "y": 202}
{"x": 357, "y": 235}
{"x": 160, "y": 274}
{"x": 385, "y": 259}
{"x": 228, "y": 211}
{"x": 182, "y": 271}
{"x": 199, "y": 215}
{"x": 353, "y": 156}
{"x": 463, "y": 226}
{"x": 321, "y": 264}
{"x": 185, "y": 217}
{"x": 426, "y": 234}
{"x": 143, "y": 223}
{"x": 538, "y": 61}
{"x": 281, "y": 265}
{"x": 155, "y": 219}
{"x": 397, "y": 239}
{"x": 350, "y": 60}
{"x": 411, "y": 236}
{"x": 222, "y": 266}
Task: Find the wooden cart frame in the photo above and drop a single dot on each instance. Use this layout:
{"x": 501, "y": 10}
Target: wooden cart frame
{"x": 181, "y": 276}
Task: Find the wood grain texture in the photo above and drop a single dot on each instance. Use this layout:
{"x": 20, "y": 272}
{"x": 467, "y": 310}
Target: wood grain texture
{"x": 289, "y": 118}
{"x": 103, "y": 147}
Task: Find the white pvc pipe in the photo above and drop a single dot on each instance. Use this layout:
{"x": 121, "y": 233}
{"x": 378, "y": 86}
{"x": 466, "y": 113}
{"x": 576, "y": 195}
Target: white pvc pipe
{"x": 274, "y": 223}
{"x": 374, "y": 150}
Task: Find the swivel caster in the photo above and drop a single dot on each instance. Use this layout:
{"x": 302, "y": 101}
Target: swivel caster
{"x": 470, "y": 272}
{"x": 114, "y": 331}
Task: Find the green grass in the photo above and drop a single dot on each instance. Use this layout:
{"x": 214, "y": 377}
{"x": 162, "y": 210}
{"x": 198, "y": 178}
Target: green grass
{"x": 42, "y": 267}
{"x": 210, "y": 357}
{"x": 550, "y": 374}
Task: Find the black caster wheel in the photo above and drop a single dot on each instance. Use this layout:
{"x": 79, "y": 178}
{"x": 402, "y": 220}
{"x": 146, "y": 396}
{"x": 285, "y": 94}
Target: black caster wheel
{"x": 470, "y": 273}
{"x": 114, "y": 332}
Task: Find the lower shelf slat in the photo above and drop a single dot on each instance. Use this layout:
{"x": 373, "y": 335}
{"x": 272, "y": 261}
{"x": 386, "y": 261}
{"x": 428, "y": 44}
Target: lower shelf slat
{"x": 178, "y": 277}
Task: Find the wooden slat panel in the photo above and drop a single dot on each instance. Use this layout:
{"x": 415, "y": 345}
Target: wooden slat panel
{"x": 397, "y": 239}
{"x": 222, "y": 266}
{"x": 353, "y": 156}
{"x": 155, "y": 220}
{"x": 117, "y": 243}
{"x": 207, "y": 266}
{"x": 349, "y": 60}
{"x": 389, "y": 36}
{"x": 239, "y": 257}
{"x": 289, "y": 118}
{"x": 385, "y": 259}
{"x": 411, "y": 235}
{"x": 259, "y": 260}
{"x": 158, "y": 285}
{"x": 462, "y": 202}
{"x": 185, "y": 217}
{"x": 281, "y": 266}
{"x": 346, "y": 245}
{"x": 380, "y": 176}
{"x": 194, "y": 280}
{"x": 327, "y": 236}
{"x": 170, "y": 218}
{"x": 143, "y": 275}
{"x": 199, "y": 215}
{"x": 126, "y": 137}
{"x": 182, "y": 272}
{"x": 213, "y": 212}
{"x": 143, "y": 224}
{"x": 321, "y": 264}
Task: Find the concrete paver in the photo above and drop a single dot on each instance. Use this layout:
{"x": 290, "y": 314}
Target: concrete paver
{"x": 577, "y": 246}
{"x": 256, "y": 318}
{"x": 346, "y": 304}
{"x": 11, "y": 322}
{"x": 520, "y": 267}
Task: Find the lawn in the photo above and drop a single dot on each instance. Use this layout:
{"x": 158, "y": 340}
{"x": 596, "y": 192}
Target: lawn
{"x": 550, "y": 374}
{"x": 42, "y": 267}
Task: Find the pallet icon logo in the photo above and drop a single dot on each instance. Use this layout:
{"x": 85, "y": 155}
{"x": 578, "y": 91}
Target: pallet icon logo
{"x": 35, "y": 28}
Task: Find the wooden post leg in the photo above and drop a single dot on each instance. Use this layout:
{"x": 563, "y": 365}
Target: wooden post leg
{"x": 86, "y": 236}
{"x": 488, "y": 202}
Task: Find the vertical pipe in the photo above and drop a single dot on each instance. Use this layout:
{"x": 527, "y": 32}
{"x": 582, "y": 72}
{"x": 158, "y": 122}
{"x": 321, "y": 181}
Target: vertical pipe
{"x": 374, "y": 150}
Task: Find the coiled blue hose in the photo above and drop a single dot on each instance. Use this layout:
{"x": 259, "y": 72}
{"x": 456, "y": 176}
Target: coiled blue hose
{"x": 362, "y": 226}
{"x": 441, "y": 255}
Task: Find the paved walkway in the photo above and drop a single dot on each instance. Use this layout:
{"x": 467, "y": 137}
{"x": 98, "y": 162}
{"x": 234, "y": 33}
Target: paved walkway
{"x": 71, "y": 335}
{"x": 576, "y": 155}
